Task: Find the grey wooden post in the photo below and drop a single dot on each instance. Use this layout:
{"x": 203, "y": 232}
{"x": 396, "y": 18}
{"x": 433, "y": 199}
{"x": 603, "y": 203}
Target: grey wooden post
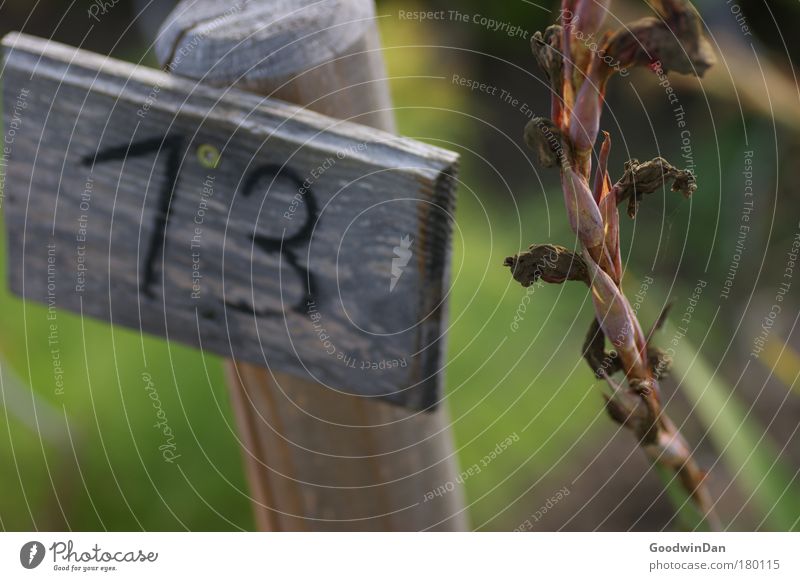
{"x": 318, "y": 459}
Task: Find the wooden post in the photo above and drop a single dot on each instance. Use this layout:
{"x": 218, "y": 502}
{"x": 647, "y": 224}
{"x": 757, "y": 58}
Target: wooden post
{"x": 318, "y": 459}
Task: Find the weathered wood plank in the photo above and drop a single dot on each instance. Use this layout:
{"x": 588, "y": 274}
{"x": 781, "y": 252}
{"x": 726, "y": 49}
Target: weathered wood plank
{"x": 281, "y": 253}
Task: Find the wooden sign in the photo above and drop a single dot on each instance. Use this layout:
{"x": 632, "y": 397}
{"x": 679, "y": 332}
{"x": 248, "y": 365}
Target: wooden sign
{"x": 240, "y": 225}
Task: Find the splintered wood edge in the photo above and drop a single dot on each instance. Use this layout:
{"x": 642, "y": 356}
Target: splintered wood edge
{"x": 263, "y": 117}
{"x": 436, "y": 226}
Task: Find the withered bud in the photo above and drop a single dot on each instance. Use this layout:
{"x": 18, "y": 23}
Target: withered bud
{"x": 647, "y": 177}
{"x": 678, "y": 42}
{"x": 544, "y": 138}
{"x": 549, "y": 262}
{"x": 546, "y": 48}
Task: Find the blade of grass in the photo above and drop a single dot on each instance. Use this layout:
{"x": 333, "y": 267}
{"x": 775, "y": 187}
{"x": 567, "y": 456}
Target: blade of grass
{"x": 687, "y": 517}
{"x": 745, "y": 448}
{"x": 779, "y": 355}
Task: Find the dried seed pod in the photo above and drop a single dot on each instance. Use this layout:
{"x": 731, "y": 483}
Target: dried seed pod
{"x": 549, "y": 262}
{"x": 647, "y": 177}
{"x": 544, "y": 138}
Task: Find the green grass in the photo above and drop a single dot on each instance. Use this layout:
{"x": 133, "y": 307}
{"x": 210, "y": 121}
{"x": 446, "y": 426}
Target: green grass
{"x": 745, "y": 447}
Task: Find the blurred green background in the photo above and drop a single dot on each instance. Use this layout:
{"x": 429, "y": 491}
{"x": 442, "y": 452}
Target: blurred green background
{"x": 104, "y": 472}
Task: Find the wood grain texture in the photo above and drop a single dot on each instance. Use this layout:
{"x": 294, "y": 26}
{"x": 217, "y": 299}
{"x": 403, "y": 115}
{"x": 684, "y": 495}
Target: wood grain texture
{"x": 280, "y": 255}
{"x": 321, "y": 53}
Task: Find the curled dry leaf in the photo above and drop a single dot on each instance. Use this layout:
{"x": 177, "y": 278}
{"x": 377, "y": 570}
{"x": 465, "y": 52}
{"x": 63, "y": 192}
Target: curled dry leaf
{"x": 546, "y": 48}
{"x": 549, "y": 262}
{"x": 677, "y": 40}
{"x": 647, "y": 177}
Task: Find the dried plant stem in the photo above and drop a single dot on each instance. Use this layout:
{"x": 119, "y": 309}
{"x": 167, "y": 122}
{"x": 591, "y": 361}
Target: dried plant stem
{"x": 578, "y": 76}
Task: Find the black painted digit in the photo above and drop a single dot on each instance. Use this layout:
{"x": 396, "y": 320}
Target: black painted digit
{"x": 157, "y": 245}
{"x": 285, "y": 246}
